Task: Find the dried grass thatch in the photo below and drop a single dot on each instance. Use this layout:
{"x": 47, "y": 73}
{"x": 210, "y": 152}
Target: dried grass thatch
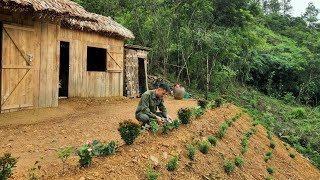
{"x": 71, "y": 15}
{"x": 45, "y": 8}
{"x": 104, "y": 25}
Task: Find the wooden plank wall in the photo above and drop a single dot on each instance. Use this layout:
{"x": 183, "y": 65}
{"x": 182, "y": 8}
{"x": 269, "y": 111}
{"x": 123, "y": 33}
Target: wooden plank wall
{"x": 49, "y": 65}
{"x": 93, "y": 84}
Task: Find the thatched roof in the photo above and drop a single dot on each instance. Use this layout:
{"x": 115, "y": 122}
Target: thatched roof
{"x": 70, "y": 14}
{"x": 47, "y": 8}
{"x": 104, "y": 25}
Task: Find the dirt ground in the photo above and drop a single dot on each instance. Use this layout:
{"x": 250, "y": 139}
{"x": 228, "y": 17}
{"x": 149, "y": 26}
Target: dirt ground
{"x": 31, "y": 136}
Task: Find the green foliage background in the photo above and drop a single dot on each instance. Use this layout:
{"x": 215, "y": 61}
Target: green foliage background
{"x": 241, "y": 47}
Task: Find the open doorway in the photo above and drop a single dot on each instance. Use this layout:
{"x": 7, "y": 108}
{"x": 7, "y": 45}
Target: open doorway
{"x": 64, "y": 69}
{"x": 142, "y": 76}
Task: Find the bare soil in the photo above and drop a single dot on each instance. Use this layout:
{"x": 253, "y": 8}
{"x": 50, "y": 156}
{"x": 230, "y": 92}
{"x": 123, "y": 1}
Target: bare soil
{"x": 32, "y": 135}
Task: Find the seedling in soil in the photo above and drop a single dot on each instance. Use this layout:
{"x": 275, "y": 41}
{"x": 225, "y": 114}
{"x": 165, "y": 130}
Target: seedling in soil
{"x": 152, "y": 175}
{"x": 269, "y": 135}
{"x": 204, "y": 147}
{"x": 86, "y": 152}
{"x": 7, "y": 164}
{"x": 105, "y": 150}
{"x": 268, "y": 178}
{"x": 176, "y": 123}
{"x": 238, "y": 161}
{"x": 270, "y": 170}
{"x": 129, "y": 131}
{"x": 268, "y": 156}
{"x": 229, "y": 123}
{"x": 228, "y": 167}
{"x": 63, "y": 154}
{"x": 173, "y": 163}
{"x": 202, "y": 103}
{"x": 191, "y": 150}
{"x": 292, "y": 155}
{"x": 212, "y": 140}
{"x": 184, "y": 115}
{"x": 197, "y": 112}
{"x": 272, "y": 144}
{"x": 222, "y": 130}
{"x": 154, "y": 126}
{"x": 35, "y": 172}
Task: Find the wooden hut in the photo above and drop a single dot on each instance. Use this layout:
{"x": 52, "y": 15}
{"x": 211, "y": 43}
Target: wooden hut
{"x": 136, "y": 64}
{"x": 52, "y": 48}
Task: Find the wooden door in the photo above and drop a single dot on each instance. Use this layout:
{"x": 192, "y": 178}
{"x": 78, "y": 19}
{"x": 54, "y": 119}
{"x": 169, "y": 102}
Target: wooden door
{"x": 18, "y": 49}
{"x": 131, "y": 74}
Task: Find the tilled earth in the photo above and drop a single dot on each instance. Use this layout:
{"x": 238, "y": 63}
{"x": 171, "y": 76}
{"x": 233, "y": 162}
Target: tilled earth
{"x": 32, "y": 136}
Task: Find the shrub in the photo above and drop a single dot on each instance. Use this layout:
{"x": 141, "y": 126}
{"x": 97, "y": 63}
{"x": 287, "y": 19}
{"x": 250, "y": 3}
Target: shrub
{"x": 191, "y": 150}
{"x": 154, "y": 126}
{"x": 272, "y": 145}
{"x": 204, "y": 147}
{"x": 202, "y": 103}
{"x": 238, "y": 161}
{"x": 270, "y": 170}
{"x": 292, "y": 155}
{"x": 172, "y": 164}
{"x": 297, "y": 113}
{"x": 218, "y": 102}
{"x": 228, "y": 167}
{"x": 7, "y": 164}
{"x": 184, "y": 115}
{"x": 152, "y": 175}
{"x": 129, "y": 131}
{"x": 212, "y": 140}
{"x": 104, "y": 150}
{"x": 212, "y": 105}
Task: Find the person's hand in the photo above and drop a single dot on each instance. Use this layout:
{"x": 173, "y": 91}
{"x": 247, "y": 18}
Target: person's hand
{"x": 160, "y": 120}
{"x": 169, "y": 118}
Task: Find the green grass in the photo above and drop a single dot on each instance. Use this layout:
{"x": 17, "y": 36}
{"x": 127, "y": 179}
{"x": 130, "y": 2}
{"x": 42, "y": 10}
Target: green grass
{"x": 298, "y": 124}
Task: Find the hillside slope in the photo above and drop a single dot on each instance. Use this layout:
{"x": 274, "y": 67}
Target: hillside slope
{"x": 131, "y": 161}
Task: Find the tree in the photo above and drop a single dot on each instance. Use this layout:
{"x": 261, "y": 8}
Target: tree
{"x": 286, "y": 7}
{"x": 311, "y": 14}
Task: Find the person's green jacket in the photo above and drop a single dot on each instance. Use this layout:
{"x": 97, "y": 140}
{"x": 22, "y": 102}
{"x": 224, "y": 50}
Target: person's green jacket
{"x": 149, "y": 103}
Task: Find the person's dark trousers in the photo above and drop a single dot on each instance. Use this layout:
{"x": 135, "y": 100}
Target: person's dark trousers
{"x": 144, "y": 118}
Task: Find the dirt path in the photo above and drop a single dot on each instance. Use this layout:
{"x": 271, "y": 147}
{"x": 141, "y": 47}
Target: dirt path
{"x": 31, "y": 135}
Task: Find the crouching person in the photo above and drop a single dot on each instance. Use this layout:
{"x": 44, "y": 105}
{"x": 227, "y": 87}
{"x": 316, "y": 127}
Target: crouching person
{"x": 150, "y": 102}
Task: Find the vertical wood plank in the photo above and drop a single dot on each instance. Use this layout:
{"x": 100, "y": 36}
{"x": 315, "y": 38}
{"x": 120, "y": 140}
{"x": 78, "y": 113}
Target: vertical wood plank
{"x": 43, "y": 64}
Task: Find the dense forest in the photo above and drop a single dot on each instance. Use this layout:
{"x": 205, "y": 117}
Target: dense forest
{"x": 252, "y": 51}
